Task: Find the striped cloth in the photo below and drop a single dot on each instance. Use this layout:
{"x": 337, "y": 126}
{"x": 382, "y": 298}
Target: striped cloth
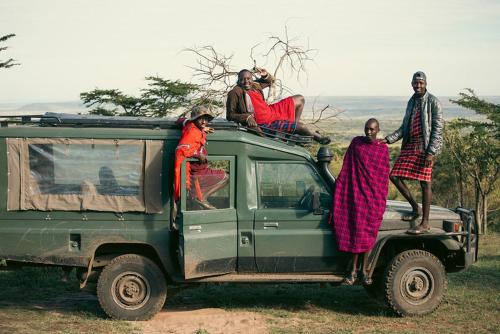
{"x": 360, "y": 195}
{"x": 411, "y": 163}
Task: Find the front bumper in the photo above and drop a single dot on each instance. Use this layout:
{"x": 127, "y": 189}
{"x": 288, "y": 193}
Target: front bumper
{"x": 470, "y": 234}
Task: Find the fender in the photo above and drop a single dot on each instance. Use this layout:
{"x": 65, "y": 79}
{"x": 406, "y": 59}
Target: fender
{"x": 448, "y": 242}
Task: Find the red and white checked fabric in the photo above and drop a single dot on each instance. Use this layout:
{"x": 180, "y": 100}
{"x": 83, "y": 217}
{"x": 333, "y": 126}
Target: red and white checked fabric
{"x": 411, "y": 163}
{"x": 360, "y": 195}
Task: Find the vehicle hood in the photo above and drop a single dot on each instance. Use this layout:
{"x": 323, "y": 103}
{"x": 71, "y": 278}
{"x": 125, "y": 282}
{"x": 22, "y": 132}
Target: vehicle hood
{"x": 395, "y": 210}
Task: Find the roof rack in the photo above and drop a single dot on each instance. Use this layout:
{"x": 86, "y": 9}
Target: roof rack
{"x": 56, "y": 119}
{"x": 289, "y": 138}
{"x": 50, "y": 119}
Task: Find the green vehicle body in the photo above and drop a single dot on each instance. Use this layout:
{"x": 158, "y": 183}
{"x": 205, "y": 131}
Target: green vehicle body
{"x": 243, "y": 242}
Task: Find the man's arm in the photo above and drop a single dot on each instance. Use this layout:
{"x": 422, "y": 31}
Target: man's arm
{"x": 437, "y": 123}
{"x": 265, "y": 79}
{"x": 398, "y": 134}
{"x": 394, "y": 137}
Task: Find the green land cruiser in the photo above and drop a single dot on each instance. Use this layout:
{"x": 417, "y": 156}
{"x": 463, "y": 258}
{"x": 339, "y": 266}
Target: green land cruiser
{"x": 95, "y": 194}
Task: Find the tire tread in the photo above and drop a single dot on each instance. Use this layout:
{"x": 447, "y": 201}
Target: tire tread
{"x": 105, "y": 276}
{"x": 391, "y": 272}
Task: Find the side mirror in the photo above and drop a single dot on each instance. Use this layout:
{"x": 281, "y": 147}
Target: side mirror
{"x": 317, "y": 210}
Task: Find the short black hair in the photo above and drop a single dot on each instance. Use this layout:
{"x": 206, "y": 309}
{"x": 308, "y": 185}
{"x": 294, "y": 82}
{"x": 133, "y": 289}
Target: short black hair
{"x": 243, "y": 71}
{"x": 372, "y": 120}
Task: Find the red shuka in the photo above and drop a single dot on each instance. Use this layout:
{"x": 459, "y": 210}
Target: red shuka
{"x": 283, "y": 110}
{"x": 360, "y": 195}
{"x": 191, "y": 144}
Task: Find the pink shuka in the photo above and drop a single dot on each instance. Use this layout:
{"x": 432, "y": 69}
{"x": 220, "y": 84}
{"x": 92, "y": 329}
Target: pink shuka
{"x": 360, "y": 195}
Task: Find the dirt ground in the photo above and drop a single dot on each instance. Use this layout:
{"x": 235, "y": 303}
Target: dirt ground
{"x": 203, "y": 320}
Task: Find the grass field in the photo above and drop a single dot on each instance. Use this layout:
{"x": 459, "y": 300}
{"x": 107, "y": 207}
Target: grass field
{"x": 34, "y": 300}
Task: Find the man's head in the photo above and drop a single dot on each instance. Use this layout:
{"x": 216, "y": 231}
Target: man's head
{"x": 245, "y": 79}
{"x": 371, "y": 129}
{"x": 200, "y": 116}
{"x": 419, "y": 83}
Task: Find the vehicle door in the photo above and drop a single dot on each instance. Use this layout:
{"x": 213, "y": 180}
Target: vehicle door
{"x": 289, "y": 235}
{"x": 208, "y": 237}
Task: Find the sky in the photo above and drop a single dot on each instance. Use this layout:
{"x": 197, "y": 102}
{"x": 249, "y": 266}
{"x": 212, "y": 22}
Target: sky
{"x": 363, "y": 48}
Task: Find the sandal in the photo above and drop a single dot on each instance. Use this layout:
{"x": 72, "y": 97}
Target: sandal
{"x": 324, "y": 140}
{"x": 418, "y": 230}
{"x": 411, "y": 216}
{"x": 350, "y": 279}
{"x": 204, "y": 204}
{"x": 365, "y": 280}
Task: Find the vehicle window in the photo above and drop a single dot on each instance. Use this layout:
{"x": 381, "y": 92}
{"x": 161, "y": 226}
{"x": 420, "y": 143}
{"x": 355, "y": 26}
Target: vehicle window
{"x": 85, "y": 174}
{"x": 283, "y": 185}
{"x": 62, "y": 169}
{"x": 208, "y": 186}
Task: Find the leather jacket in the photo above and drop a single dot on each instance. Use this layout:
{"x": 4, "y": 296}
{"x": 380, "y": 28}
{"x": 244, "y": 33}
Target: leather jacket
{"x": 432, "y": 123}
{"x": 236, "y": 105}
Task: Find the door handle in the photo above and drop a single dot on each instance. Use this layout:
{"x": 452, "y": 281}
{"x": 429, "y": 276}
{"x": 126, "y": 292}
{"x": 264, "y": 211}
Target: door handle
{"x": 271, "y": 225}
{"x": 196, "y": 228}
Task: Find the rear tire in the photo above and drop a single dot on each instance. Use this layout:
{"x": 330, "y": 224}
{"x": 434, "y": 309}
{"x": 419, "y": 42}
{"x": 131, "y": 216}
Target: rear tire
{"x": 131, "y": 287}
{"x": 415, "y": 283}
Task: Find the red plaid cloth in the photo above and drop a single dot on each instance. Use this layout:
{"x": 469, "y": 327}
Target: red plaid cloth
{"x": 276, "y": 116}
{"x": 360, "y": 195}
{"x": 411, "y": 162}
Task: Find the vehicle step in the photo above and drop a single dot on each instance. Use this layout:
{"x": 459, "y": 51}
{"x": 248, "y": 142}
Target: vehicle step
{"x": 270, "y": 278}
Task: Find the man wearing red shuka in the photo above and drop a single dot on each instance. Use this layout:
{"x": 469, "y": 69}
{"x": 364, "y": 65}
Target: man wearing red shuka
{"x": 246, "y": 105}
{"x": 422, "y": 133}
{"x": 205, "y": 181}
{"x": 360, "y": 196}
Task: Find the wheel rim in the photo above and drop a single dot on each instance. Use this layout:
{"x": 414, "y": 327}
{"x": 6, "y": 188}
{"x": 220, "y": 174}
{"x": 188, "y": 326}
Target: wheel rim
{"x": 417, "y": 285}
{"x": 130, "y": 290}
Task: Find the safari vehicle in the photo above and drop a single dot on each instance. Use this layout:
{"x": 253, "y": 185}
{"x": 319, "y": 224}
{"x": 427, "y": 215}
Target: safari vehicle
{"x": 95, "y": 194}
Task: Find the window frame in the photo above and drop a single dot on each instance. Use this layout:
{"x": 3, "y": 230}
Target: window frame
{"x": 232, "y": 185}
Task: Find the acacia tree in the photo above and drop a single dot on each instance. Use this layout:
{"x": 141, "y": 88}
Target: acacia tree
{"x": 475, "y": 148}
{"x": 160, "y": 98}
{"x": 9, "y": 62}
{"x": 112, "y": 102}
{"x": 280, "y": 54}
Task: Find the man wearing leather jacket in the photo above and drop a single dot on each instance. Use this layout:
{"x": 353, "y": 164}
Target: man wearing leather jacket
{"x": 422, "y": 134}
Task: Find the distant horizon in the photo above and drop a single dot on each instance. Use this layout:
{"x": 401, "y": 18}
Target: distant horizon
{"x": 308, "y": 97}
{"x": 351, "y": 107}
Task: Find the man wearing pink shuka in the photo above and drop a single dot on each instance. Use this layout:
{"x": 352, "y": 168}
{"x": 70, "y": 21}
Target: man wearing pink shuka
{"x": 360, "y": 197}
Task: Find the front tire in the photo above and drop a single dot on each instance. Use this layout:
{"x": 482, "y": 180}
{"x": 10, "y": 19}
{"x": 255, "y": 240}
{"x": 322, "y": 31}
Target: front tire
{"x": 131, "y": 287}
{"x": 415, "y": 283}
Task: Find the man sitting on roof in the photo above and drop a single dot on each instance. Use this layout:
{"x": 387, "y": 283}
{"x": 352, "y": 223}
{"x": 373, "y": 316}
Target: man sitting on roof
{"x": 246, "y": 105}
{"x": 205, "y": 181}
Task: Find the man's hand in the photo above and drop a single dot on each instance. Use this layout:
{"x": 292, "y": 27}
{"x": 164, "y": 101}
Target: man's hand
{"x": 202, "y": 158}
{"x": 262, "y": 72}
{"x": 429, "y": 159}
{"x": 251, "y": 122}
{"x": 208, "y": 130}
